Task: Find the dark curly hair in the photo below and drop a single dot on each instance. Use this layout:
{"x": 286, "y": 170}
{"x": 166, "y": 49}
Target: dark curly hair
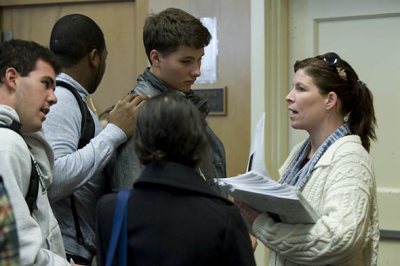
{"x": 74, "y": 36}
{"x": 170, "y": 128}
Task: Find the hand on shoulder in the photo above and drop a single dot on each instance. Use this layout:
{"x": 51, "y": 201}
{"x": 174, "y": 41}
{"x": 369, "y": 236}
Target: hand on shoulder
{"x": 125, "y": 112}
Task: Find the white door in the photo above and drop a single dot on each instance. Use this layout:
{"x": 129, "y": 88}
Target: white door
{"x": 366, "y": 33}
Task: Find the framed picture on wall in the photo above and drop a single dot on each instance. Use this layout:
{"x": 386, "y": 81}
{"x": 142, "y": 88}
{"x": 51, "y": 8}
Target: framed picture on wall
{"x": 216, "y": 98}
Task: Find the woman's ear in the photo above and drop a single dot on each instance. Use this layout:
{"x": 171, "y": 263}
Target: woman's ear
{"x": 155, "y": 58}
{"x": 331, "y": 100}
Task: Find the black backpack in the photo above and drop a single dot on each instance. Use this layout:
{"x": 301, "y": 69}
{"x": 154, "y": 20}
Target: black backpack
{"x": 87, "y": 133}
{"x": 87, "y": 124}
{"x": 33, "y": 188}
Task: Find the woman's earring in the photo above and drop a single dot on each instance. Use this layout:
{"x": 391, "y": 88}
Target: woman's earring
{"x": 346, "y": 118}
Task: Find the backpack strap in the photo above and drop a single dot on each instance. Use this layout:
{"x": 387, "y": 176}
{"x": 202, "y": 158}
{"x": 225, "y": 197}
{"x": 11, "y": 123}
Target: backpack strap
{"x": 32, "y": 193}
{"x": 78, "y": 233}
{"x": 87, "y": 133}
{"x": 87, "y": 124}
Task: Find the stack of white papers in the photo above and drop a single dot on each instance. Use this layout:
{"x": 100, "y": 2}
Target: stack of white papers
{"x": 261, "y": 192}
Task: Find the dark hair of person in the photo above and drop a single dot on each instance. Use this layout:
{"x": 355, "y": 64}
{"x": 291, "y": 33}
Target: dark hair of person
{"x": 23, "y": 56}
{"x": 332, "y": 74}
{"x": 173, "y": 27}
{"x": 74, "y": 36}
{"x": 170, "y": 128}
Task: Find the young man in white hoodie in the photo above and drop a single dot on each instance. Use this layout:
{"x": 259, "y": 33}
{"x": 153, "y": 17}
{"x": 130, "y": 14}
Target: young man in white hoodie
{"x": 28, "y": 72}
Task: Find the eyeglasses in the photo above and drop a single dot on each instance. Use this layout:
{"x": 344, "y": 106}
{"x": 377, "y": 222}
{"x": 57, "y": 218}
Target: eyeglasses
{"x": 331, "y": 58}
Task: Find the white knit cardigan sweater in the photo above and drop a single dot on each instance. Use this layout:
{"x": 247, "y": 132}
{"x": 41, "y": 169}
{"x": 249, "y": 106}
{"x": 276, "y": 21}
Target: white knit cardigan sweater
{"x": 342, "y": 189}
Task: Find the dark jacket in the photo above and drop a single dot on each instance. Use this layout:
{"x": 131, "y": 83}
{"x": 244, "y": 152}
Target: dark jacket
{"x": 175, "y": 219}
{"x": 125, "y": 167}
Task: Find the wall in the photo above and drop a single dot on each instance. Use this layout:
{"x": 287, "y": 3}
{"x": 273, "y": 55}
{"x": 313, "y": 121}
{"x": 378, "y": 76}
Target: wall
{"x": 121, "y": 22}
{"x": 364, "y": 33}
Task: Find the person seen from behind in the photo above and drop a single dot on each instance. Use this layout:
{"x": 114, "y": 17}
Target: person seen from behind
{"x": 174, "y": 217}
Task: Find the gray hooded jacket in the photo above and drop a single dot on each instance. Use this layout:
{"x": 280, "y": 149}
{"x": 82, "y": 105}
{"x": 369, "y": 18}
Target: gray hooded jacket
{"x": 125, "y": 167}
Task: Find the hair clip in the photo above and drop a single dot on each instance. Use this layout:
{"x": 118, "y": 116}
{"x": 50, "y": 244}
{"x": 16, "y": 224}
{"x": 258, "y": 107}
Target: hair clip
{"x": 342, "y": 73}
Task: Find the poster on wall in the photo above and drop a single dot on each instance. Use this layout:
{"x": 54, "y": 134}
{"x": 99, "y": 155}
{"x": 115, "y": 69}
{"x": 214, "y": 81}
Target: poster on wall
{"x": 209, "y": 60}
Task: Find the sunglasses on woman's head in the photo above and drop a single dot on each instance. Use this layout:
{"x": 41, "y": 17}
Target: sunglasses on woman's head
{"x": 331, "y": 58}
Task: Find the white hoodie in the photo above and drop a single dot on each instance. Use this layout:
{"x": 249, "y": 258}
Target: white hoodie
{"x": 39, "y": 234}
